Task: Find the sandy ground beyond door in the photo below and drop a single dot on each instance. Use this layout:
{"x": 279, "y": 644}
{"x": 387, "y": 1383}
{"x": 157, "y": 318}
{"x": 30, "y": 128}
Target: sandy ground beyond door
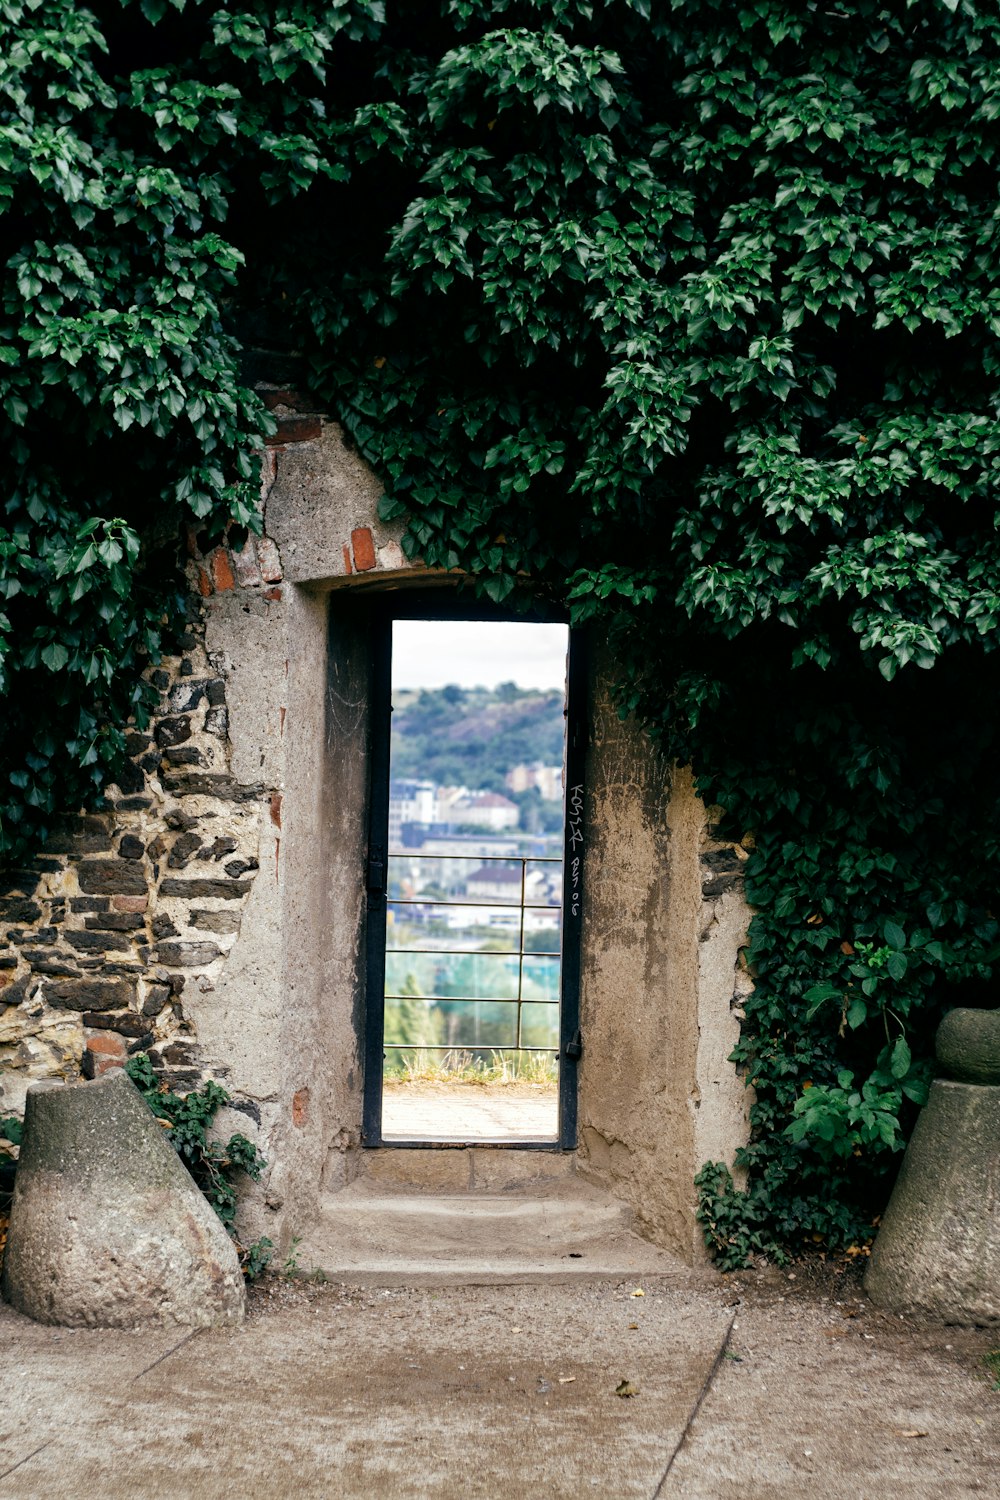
{"x": 469, "y": 1112}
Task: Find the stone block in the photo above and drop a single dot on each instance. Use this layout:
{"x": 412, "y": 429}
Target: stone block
{"x": 187, "y": 955}
{"x": 968, "y": 1046}
{"x": 185, "y": 847}
{"x": 107, "y": 1228}
{"x": 115, "y": 921}
{"x": 98, "y": 942}
{"x": 111, "y": 877}
{"x": 421, "y": 1171}
{"x": 185, "y": 755}
{"x": 125, "y": 1025}
{"x": 209, "y": 784}
{"x": 187, "y": 695}
{"x": 86, "y": 833}
{"x": 48, "y": 961}
{"x": 157, "y": 996}
{"x": 217, "y": 722}
{"x": 270, "y": 562}
{"x": 214, "y": 921}
{"x": 512, "y": 1171}
{"x": 90, "y": 994}
{"x": 225, "y": 890}
{"x": 173, "y": 731}
{"x": 938, "y": 1250}
{"x": 245, "y": 562}
{"x": 129, "y": 903}
{"x": 19, "y": 909}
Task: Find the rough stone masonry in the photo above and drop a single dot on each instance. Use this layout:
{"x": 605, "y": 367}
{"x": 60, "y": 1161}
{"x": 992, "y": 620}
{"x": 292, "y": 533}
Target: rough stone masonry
{"x": 128, "y": 908}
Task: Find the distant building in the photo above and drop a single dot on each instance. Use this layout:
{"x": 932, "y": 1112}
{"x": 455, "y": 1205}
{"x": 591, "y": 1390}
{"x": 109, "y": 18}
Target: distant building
{"x": 501, "y": 883}
{"x": 485, "y": 810}
{"x": 410, "y": 802}
{"x": 547, "y": 779}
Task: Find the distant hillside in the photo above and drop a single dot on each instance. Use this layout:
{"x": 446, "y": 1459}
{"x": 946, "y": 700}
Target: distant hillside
{"x": 473, "y": 736}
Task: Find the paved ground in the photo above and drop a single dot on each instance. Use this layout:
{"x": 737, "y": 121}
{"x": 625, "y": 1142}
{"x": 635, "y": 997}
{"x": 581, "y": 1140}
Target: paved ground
{"x": 469, "y": 1112}
{"x": 456, "y": 1393}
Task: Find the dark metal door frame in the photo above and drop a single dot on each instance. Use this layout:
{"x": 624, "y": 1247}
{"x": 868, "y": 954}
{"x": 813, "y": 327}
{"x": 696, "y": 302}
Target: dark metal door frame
{"x": 570, "y": 1043}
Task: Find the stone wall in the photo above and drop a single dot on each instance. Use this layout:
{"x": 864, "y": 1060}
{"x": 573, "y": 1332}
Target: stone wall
{"x": 131, "y": 911}
{"x": 132, "y": 908}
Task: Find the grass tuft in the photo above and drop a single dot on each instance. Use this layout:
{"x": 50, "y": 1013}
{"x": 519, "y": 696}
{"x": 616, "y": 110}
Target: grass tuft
{"x": 458, "y": 1066}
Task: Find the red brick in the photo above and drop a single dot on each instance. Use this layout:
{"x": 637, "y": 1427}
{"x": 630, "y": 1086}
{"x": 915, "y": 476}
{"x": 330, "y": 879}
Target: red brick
{"x": 364, "y": 549}
{"x": 347, "y": 559}
{"x": 296, "y": 429}
{"x": 273, "y": 594}
{"x": 129, "y": 903}
{"x": 104, "y": 1050}
{"x": 204, "y": 583}
{"x": 300, "y": 1107}
{"x": 272, "y": 399}
{"x": 276, "y": 809}
{"x": 222, "y": 570}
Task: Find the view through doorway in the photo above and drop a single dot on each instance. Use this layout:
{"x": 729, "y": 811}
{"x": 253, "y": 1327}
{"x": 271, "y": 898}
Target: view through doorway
{"x": 469, "y": 924}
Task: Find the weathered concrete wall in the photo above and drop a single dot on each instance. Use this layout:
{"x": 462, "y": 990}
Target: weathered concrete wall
{"x": 664, "y": 919}
{"x": 213, "y": 915}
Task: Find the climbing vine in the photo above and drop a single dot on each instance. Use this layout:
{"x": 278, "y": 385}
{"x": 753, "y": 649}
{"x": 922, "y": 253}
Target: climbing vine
{"x": 215, "y": 1165}
{"x": 688, "y": 310}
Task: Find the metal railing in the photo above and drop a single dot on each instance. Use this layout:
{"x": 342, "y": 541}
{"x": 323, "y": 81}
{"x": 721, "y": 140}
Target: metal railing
{"x": 520, "y": 952}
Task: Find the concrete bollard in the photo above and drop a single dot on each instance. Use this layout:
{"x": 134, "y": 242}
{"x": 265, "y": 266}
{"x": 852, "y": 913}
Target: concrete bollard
{"x": 107, "y": 1228}
{"x": 938, "y": 1250}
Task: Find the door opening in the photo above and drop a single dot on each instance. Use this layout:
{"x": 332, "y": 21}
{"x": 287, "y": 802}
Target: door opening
{"x": 474, "y": 884}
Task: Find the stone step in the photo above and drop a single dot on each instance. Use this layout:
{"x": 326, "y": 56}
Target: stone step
{"x": 561, "y": 1230}
{"x": 464, "y": 1168}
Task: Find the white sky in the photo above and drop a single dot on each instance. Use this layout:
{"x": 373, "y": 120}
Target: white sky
{"x": 477, "y": 653}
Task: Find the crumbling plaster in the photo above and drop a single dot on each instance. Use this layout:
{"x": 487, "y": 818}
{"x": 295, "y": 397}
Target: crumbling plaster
{"x": 661, "y": 942}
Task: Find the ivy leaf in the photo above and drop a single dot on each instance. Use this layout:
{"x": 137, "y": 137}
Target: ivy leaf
{"x": 901, "y": 1061}
{"x": 55, "y": 656}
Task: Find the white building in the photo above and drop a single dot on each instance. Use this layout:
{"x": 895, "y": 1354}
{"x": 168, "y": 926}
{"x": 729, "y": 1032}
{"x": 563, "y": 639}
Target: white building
{"x": 502, "y": 883}
{"x": 410, "y": 802}
{"x": 485, "y": 810}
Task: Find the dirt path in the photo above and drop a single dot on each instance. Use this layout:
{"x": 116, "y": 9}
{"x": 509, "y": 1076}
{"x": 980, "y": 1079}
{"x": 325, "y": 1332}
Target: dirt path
{"x": 500, "y": 1392}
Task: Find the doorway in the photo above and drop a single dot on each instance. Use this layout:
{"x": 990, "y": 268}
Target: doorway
{"x": 474, "y": 882}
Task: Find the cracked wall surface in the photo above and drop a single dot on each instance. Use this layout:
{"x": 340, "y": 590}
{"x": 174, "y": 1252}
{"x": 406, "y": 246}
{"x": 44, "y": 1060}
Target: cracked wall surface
{"x": 664, "y": 923}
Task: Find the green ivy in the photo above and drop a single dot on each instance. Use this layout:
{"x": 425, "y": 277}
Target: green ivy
{"x": 687, "y": 310}
{"x": 215, "y": 1167}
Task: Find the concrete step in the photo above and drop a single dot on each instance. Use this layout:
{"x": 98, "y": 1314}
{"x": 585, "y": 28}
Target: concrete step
{"x": 561, "y": 1230}
{"x": 464, "y": 1169}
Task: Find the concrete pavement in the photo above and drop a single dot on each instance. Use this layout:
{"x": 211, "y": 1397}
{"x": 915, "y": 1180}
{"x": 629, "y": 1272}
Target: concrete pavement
{"x": 460, "y": 1392}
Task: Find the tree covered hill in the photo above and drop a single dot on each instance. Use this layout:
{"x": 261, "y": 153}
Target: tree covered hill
{"x": 473, "y": 736}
